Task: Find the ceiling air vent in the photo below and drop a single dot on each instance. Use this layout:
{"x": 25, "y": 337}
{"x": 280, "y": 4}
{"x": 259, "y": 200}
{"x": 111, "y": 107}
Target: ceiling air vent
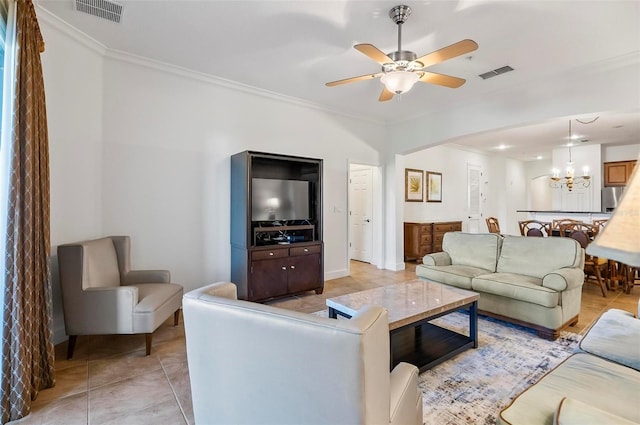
{"x": 495, "y": 72}
{"x": 105, "y": 9}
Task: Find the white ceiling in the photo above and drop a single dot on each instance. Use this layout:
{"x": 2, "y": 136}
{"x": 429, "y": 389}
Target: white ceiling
{"x": 293, "y": 47}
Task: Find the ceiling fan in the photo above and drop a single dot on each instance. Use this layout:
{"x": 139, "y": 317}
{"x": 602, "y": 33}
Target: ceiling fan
{"x": 402, "y": 69}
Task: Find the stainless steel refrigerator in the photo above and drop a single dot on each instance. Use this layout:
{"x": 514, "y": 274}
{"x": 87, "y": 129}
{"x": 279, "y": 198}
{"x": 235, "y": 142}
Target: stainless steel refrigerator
{"x": 611, "y": 197}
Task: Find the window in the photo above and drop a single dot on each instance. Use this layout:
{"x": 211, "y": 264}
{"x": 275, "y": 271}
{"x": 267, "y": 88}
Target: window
{"x": 6, "y": 40}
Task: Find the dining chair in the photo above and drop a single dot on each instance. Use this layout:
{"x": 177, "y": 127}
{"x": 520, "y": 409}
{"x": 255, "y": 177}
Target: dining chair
{"x": 600, "y": 224}
{"x": 618, "y": 274}
{"x": 493, "y": 225}
{"x": 616, "y": 271}
{"x": 594, "y": 266}
{"x": 534, "y": 228}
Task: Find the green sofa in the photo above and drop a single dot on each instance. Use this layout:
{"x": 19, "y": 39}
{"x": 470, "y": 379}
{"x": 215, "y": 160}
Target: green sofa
{"x": 534, "y": 282}
{"x": 599, "y": 384}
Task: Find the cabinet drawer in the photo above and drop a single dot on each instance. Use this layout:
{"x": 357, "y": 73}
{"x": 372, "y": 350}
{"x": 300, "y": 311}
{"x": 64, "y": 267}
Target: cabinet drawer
{"x": 269, "y": 253}
{"x": 446, "y": 227}
{"x": 425, "y": 239}
{"x": 304, "y": 250}
{"x": 425, "y": 228}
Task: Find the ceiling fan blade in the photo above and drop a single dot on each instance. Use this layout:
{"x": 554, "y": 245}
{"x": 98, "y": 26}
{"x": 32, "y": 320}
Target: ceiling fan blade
{"x": 374, "y": 53}
{"x": 353, "y": 79}
{"x": 385, "y": 95}
{"x": 442, "y": 80}
{"x": 449, "y": 52}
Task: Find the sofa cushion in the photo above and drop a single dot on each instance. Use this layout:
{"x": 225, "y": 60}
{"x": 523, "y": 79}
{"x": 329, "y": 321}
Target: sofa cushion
{"x": 538, "y": 256}
{"x": 479, "y": 250}
{"x": 100, "y": 264}
{"x": 615, "y": 336}
{"x": 594, "y": 381}
{"x": 516, "y": 286}
{"x": 459, "y": 276}
{"x": 574, "y": 412}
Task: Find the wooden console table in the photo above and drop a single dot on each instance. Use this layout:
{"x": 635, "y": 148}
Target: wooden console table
{"x": 421, "y": 239}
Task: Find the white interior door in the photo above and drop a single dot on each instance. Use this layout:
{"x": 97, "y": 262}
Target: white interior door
{"x": 474, "y": 198}
{"x": 360, "y": 212}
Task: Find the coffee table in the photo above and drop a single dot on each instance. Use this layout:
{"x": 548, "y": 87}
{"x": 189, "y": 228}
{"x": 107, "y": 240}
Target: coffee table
{"x": 411, "y": 306}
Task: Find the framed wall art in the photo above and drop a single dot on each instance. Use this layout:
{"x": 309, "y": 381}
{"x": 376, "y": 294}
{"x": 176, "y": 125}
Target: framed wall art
{"x": 413, "y": 190}
{"x": 434, "y": 187}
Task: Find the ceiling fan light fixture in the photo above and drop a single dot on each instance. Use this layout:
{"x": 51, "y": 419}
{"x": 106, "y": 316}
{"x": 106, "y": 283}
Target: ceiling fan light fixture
{"x": 399, "y": 82}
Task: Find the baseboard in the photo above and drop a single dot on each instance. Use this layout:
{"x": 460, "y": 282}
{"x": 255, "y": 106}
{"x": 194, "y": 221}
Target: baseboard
{"x": 396, "y": 267}
{"x": 336, "y": 274}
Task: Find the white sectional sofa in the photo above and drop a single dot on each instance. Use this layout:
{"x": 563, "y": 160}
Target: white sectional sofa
{"x": 599, "y": 384}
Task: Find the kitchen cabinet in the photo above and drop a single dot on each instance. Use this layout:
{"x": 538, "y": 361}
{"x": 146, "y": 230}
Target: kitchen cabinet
{"x": 618, "y": 173}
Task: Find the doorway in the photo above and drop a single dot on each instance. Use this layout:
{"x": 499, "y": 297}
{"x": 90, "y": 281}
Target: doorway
{"x": 361, "y": 212}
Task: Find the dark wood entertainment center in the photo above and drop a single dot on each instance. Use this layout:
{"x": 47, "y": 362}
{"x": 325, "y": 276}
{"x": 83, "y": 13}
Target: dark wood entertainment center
{"x": 272, "y": 258}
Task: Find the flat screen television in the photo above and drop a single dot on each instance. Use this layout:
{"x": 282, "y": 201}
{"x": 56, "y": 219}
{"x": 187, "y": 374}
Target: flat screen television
{"x": 279, "y": 200}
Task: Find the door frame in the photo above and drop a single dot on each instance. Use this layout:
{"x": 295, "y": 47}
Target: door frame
{"x": 377, "y": 216}
{"x": 481, "y": 196}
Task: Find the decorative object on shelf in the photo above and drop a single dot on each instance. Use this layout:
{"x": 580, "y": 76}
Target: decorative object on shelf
{"x": 413, "y": 185}
{"x": 620, "y": 238}
{"x": 570, "y": 180}
{"x": 434, "y": 187}
{"x": 403, "y": 68}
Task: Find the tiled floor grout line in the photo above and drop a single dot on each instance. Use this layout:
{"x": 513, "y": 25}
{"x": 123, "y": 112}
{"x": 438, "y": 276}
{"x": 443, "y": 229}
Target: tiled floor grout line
{"x": 175, "y": 395}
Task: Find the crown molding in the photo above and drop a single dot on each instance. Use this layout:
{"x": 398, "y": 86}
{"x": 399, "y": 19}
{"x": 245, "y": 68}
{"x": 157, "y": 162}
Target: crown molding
{"x": 146, "y": 62}
{"x": 222, "y": 82}
{"x": 87, "y": 41}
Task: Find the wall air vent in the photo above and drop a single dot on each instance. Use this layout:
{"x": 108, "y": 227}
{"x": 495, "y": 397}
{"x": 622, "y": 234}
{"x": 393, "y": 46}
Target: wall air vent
{"x": 495, "y": 72}
{"x": 105, "y": 9}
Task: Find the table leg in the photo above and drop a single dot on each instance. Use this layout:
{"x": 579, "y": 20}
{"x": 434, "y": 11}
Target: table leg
{"x": 332, "y": 313}
{"x": 473, "y": 323}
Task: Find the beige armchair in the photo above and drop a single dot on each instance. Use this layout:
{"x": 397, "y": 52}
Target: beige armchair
{"x": 102, "y": 295}
{"x": 257, "y": 364}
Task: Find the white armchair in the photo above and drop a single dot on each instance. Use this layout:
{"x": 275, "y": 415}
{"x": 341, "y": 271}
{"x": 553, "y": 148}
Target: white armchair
{"x": 256, "y": 364}
{"x": 102, "y": 295}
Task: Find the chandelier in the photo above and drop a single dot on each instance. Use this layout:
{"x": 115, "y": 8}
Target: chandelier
{"x": 570, "y": 180}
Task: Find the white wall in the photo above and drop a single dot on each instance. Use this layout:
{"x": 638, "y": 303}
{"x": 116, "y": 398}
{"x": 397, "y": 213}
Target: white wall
{"x": 620, "y": 153}
{"x": 74, "y": 115}
{"x": 142, "y": 149}
{"x": 538, "y": 191}
{"x": 503, "y": 185}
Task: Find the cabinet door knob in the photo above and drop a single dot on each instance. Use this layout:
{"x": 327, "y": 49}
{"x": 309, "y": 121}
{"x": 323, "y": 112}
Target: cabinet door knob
{"x": 306, "y": 250}
{"x": 284, "y": 267}
{"x": 271, "y": 253}
{"x": 293, "y": 267}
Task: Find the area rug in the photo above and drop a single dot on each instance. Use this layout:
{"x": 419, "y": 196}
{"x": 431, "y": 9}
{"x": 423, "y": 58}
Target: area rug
{"x": 475, "y": 385}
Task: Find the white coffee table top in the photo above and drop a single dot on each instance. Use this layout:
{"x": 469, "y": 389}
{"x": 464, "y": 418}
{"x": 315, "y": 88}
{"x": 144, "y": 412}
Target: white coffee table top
{"x": 406, "y": 302}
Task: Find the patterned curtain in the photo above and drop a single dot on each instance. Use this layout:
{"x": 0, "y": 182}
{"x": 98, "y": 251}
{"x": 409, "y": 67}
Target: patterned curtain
{"x": 27, "y": 340}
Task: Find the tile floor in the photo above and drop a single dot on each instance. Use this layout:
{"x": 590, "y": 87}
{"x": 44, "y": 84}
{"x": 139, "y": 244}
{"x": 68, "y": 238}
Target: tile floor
{"x": 111, "y": 381}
